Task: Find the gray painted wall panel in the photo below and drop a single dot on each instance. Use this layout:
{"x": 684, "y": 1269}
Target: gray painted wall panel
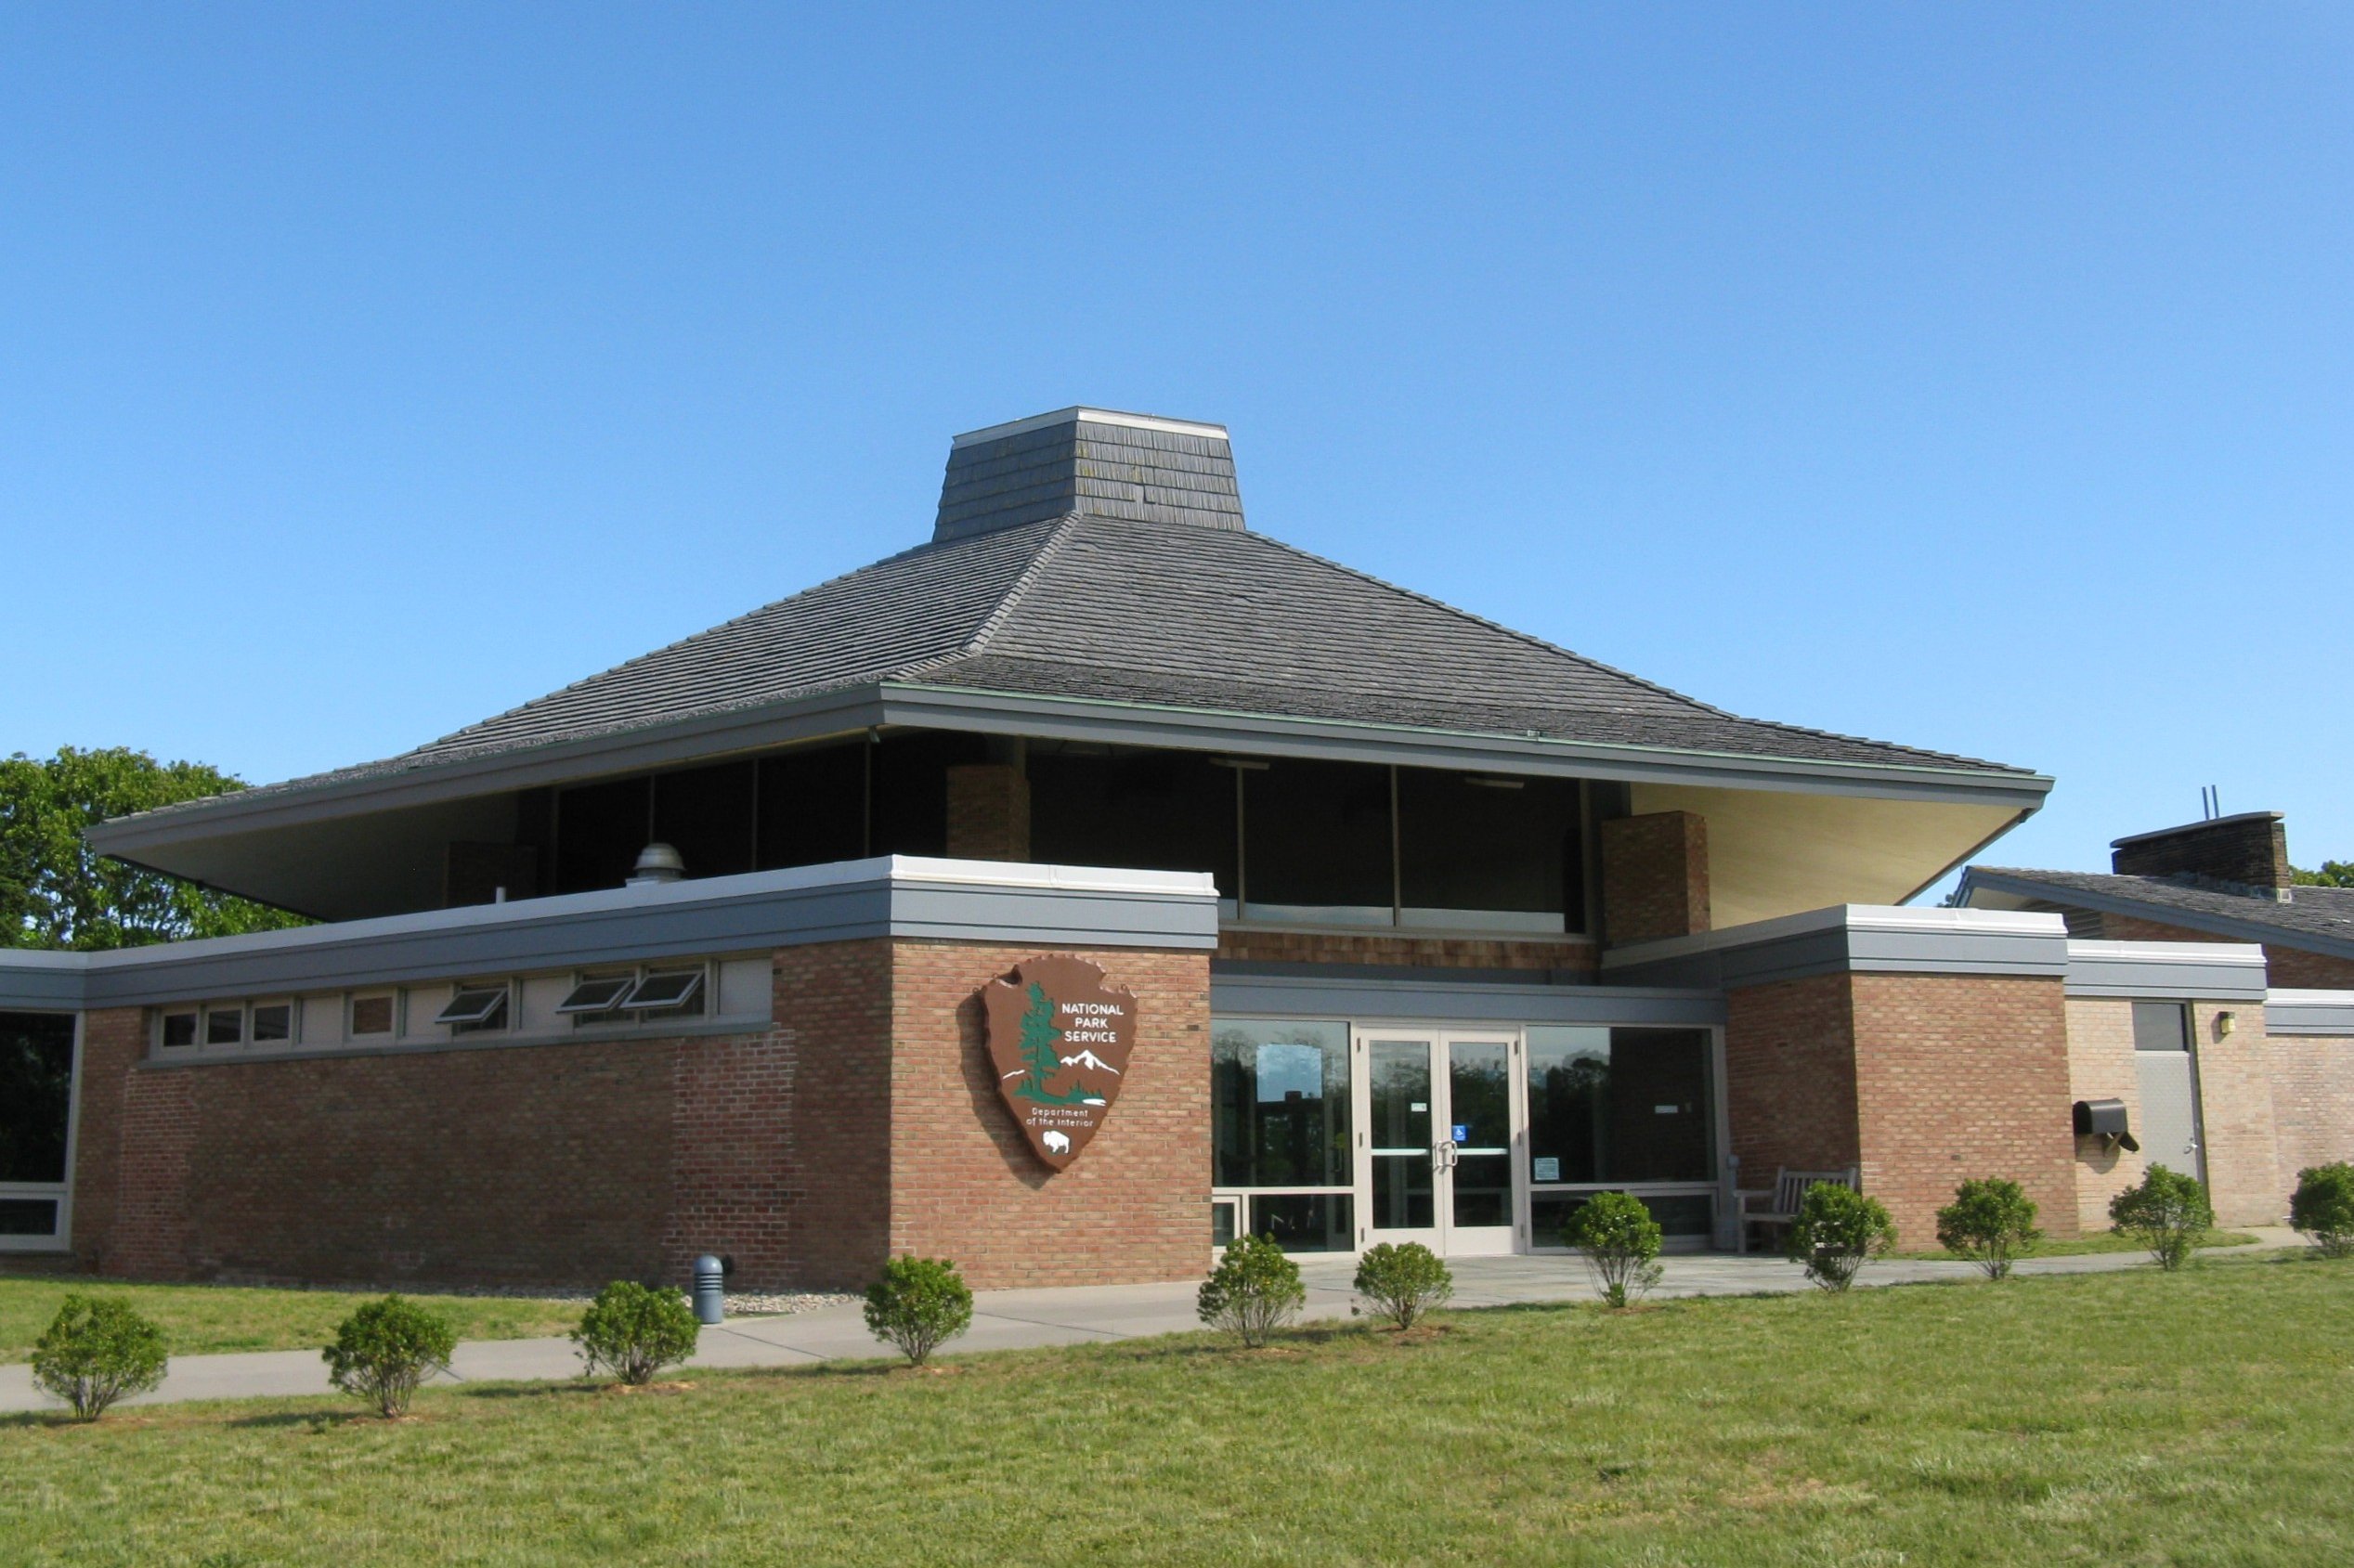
{"x": 2309, "y": 1018}
{"x": 1438, "y": 1002}
{"x": 763, "y": 911}
{"x": 2171, "y": 980}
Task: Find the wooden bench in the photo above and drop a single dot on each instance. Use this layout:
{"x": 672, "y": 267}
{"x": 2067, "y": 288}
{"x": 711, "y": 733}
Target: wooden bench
{"x": 1780, "y": 1202}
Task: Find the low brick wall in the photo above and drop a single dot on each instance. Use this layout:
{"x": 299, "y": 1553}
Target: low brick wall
{"x": 1919, "y": 1080}
{"x": 964, "y": 1182}
{"x": 2312, "y": 1100}
{"x": 1962, "y": 1076}
{"x": 865, "y": 1122}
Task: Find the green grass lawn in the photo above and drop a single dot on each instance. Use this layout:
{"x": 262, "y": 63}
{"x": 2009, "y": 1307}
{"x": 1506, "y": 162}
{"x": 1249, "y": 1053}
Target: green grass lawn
{"x": 199, "y": 1319}
{"x": 2206, "y": 1417}
{"x": 2096, "y": 1241}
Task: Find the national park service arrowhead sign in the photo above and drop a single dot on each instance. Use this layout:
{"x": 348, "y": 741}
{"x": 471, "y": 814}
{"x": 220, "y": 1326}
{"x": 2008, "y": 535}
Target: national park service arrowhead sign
{"x": 1059, "y": 1040}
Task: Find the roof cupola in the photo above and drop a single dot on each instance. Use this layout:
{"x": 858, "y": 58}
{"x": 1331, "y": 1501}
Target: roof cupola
{"x": 1091, "y": 462}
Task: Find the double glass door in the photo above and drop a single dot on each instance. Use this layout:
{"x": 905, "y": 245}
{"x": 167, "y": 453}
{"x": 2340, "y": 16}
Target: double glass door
{"x": 1435, "y": 1151}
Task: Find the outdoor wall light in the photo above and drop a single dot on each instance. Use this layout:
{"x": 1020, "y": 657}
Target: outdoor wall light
{"x": 2224, "y": 1024}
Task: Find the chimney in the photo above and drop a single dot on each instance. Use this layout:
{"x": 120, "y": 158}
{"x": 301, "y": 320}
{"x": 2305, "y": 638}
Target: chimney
{"x": 2247, "y": 854}
{"x": 1092, "y": 461}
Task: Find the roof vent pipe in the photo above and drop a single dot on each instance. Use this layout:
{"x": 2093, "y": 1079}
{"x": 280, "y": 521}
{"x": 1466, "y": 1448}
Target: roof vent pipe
{"x": 658, "y": 864}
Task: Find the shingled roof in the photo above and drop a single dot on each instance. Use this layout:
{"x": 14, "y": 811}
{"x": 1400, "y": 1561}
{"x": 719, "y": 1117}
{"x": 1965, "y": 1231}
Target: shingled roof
{"x": 1142, "y": 587}
{"x": 2321, "y": 919}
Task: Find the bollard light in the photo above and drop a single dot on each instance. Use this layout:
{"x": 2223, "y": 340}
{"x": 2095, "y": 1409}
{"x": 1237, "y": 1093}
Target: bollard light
{"x": 710, "y": 1289}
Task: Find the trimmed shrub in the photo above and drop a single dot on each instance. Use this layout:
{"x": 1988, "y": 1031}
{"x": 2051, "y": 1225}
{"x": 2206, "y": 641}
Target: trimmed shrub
{"x": 1989, "y": 1221}
{"x": 385, "y": 1349}
{"x": 634, "y": 1331}
{"x": 1838, "y": 1230}
{"x": 2168, "y": 1213}
{"x": 2323, "y": 1208}
{"x": 1254, "y": 1290}
{"x": 918, "y": 1305}
{"x": 1403, "y": 1282}
{"x": 96, "y": 1350}
{"x": 1620, "y": 1241}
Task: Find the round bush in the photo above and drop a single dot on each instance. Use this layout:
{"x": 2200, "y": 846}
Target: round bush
{"x": 634, "y": 1331}
{"x": 2168, "y": 1213}
{"x": 385, "y": 1349}
{"x": 919, "y": 1304}
{"x": 1620, "y": 1241}
{"x": 95, "y": 1352}
{"x": 1989, "y": 1221}
{"x": 1837, "y": 1231}
{"x": 2323, "y": 1208}
{"x": 1254, "y": 1290}
{"x": 1403, "y": 1282}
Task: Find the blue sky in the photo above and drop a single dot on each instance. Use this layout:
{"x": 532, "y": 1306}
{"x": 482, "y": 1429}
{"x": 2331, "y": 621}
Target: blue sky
{"x": 1978, "y": 378}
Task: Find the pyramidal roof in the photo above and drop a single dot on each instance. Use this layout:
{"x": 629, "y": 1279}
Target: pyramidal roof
{"x": 1101, "y": 557}
{"x": 1092, "y": 554}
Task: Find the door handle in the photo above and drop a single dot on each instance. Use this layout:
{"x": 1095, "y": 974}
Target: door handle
{"x": 1443, "y": 1157}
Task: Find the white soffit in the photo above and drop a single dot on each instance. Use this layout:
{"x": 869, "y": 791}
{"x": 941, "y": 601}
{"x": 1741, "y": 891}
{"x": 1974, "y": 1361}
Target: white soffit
{"x": 1774, "y": 852}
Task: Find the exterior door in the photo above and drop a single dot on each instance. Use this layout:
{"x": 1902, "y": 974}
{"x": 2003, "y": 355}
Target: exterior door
{"x": 2167, "y": 1068}
{"x": 1438, "y": 1114}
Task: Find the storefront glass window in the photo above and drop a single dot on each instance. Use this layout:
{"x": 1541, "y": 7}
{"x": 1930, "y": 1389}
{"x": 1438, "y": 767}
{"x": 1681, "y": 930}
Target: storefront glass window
{"x": 1619, "y": 1104}
{"x": 1281, "y": 1120}
{"x": 36, "y": 1106}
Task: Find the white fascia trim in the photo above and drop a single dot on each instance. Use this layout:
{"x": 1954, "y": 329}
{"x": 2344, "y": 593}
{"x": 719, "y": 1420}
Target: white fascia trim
{"x": 2310, "y": 999}
{"x": 1078, "y": 413}
{"x": 2248, "y": 955}
{"x": 901, "y": 870}
{"x": 1851, "y": 917}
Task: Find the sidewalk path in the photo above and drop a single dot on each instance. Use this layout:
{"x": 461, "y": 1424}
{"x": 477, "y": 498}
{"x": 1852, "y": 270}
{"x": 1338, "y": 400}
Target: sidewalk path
{"x": 1014, "y": 1320}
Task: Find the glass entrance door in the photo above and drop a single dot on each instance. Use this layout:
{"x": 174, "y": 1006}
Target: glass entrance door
{"x": 1437, "y": 1113}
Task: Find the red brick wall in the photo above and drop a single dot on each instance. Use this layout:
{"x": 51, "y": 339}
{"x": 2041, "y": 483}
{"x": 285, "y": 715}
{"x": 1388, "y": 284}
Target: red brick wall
{"x": 834, "y": 998}
{"x": 1919, "y": 1079}
{"x": 964, "y": 1185}
{"x": 731, "y": 1155}
{"x": 2252, "y": 849}
{"x": 866, "y": 1122}
{"x": 154, "y": 1213}
{"x": 2292, "y": 968}
{"x": 1655, "y": 876}
{"x": 1445, "y": 953}
{"x": 532, "y": 1166}
{"x": 111, "y": 1041}
{"x": 2286, "y": 968}
{"x": 2312, "y": 1100}
{"x": 1790, "y": 1071}
{"x": 1960, "y": 1076}
{"x": 988, "y": 812}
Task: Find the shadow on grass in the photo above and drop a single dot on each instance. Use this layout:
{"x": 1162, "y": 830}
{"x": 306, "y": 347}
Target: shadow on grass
{"x": 318, "y": 1420}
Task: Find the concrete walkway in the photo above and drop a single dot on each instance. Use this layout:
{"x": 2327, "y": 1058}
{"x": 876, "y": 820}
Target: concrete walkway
{"x": 1014, "y": 1319}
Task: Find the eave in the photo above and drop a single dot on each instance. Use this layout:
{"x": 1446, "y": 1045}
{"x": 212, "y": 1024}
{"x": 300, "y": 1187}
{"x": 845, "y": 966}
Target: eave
{"x": 888, "y": 703}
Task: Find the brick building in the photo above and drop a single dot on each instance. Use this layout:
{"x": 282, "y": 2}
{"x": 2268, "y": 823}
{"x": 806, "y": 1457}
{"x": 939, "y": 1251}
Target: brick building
{"x": 1403, "y": 924}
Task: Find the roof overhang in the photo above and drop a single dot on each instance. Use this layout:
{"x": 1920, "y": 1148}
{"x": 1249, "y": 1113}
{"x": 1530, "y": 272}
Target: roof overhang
{"x": 215, "y": 842}
{"x": 1991, "y": 889}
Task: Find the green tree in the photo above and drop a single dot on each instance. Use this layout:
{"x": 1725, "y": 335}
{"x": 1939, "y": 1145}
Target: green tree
{"x": 1838, "y": 1229}
{"x": 2168, "y": 1213}
{"x": 2334, "y": 873}
{"x": 1621, "y": 1243}
{"x": 1989, "y": 1221}
{"x": 56, "y": 893}
{"x": 96, "y": 1352}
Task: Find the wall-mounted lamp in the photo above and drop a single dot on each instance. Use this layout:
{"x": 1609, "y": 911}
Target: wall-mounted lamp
{"x": 2224, "y": 1024}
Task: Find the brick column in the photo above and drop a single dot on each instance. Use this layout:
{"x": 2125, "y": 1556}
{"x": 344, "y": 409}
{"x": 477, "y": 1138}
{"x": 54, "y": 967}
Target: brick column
{"x": 988, "y": 812}
{"x": 1655, "y": 876}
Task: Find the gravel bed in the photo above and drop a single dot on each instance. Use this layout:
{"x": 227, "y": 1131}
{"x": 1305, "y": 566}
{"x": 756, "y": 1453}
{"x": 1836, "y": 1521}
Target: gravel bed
{"x": 751, "y": 1305}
